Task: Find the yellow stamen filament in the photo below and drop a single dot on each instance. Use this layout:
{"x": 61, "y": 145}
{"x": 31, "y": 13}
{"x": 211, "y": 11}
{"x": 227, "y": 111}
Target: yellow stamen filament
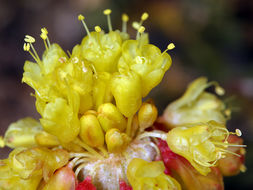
{"x": 81, "y": 18}
{"x": 104, "y": 151}
{"x": 107, "y": 12}
{"x": 98, "y": 29}
{"x": 125, "y": 19}
{"x": 87, "y": 147}
{"x": 155, "y": 133}
{"x": 140, "y": 32}
{"x": 169, "y": 47}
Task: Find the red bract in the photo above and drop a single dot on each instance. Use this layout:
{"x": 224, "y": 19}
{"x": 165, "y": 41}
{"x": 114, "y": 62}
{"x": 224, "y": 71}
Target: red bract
{"x": 86, "y": 184}
{"x": 191, "y": 178}
{"x": 124, "y": 186}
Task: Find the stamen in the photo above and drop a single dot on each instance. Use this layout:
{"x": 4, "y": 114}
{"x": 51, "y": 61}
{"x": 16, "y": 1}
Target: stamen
{"x": 139, "y": 33}
{"x": 87, "y": 147}
{"x": 78, "y": 169}
{"x": 98, "y": 29}
{"x": 26, "y": 47}
{"x": 30, "y": 40}
{"x": 81, "y": 18}
{"x": 125, "y": 19}
{"x": 144, "y": 17}
{"x": 44, "y": 36}
{"x": 107, "y": 12}
{"x": 169, "y": 47}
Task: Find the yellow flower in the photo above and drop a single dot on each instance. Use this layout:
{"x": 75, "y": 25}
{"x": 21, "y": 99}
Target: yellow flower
{"x": 142, "y": 174}
{"x": 195, "y": 105}
{"x": 202, "y": 144}
{"x": 145, "y": 60}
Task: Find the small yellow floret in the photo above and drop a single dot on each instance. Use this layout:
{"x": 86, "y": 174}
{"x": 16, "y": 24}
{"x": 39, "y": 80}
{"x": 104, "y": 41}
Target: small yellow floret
{"x": 141, "y": 29}
{"x": 26, "y": 47}
{"x": 144, "y": 16}
{"x": 107, "y": 11}
{"x": 171, "y": 46}
{"x": 29, "y": 39}
{"x": 125, "y": 17}
{"x": 81, "y": 17}
{"x": 98, "y": 29}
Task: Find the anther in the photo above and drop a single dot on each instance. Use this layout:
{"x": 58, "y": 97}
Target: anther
{"x": 1, "y": 142}
{"x": 144, "y": 17}
{"x": 44, "y": 36}
{"x": 238, "y": 132}
{"x": 125, "y": 19}
{"x": 107, "y": 12}
{"x": 81, "y": 18}
{"x": 136, "y": 25}
{"x": 98, "y": 29}
{"x": 139, "y": 33}
{"x": 29, "y": 39}
{"x": 26, "y": 46}
{"x": 169, "y": 47}
{"x": 219, "y": 90}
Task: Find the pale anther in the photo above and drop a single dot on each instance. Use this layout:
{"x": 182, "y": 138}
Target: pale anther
{"x": 98, "y": 29}
{"x": 219, "y": 90}
{"x": 144, "y": 16}
{"x": 80, "y": 17}
{"x": 171, "y": 46}
{"x": 107, "y": 11}
{"x": 29, "y": 39}
{"x": 238, "y": 132}
{"x": 125, "y": 17}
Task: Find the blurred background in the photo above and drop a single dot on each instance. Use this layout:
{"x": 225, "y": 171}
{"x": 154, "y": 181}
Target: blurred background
{"x": 213, "y": 38}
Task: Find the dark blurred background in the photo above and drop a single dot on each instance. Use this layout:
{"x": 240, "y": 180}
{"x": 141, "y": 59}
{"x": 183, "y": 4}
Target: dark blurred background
{"x": 213, "y": 38}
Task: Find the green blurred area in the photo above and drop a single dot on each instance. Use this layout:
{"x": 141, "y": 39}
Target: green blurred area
{"x": 213, "y": 38}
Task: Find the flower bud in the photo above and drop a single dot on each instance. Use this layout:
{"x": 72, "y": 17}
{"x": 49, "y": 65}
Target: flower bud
{"x": 147, "y": 115}
{"x": 110, "y": 117}
{"x": 126, "y": 89}
{"x": 232, "y": 165}
{"x": 45, "y": 139}
{"x": 116, "y": 140}
{"x": 21, "y": 133}
{"x": 142, "y": 174}
{"x": 63, "y": 179}
{"x": 91, "y": 131}
{"x": 195, "y": 105}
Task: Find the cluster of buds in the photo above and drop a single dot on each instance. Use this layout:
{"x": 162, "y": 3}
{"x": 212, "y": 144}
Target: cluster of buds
{"x": 95, "y": 131}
